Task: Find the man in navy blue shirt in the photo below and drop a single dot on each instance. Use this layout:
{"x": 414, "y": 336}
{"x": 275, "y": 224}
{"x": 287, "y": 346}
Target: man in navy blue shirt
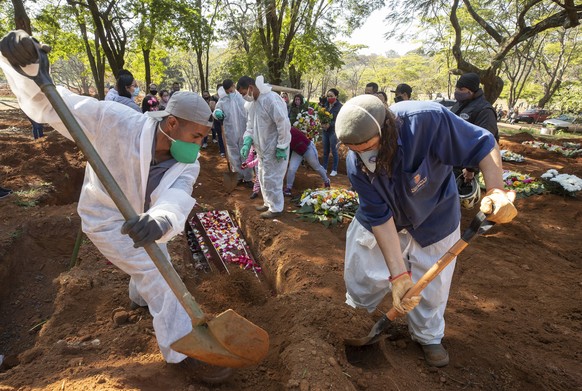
{"x": 400, "y": 163}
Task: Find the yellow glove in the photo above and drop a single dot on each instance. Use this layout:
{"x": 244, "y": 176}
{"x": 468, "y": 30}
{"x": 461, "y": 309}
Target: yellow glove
{"x": 400, "y": 285}
{"x": 498, "y": 206}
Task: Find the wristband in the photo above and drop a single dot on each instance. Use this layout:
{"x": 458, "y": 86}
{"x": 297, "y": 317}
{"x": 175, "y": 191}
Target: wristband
{"x": 390, "y": 279}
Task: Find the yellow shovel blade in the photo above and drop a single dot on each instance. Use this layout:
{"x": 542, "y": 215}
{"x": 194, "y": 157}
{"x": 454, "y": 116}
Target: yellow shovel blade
{"x": 229, "y": 340}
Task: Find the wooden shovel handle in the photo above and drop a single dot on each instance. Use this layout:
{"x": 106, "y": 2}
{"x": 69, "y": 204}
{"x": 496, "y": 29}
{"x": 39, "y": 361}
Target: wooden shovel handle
{"x": 479, "y": 225}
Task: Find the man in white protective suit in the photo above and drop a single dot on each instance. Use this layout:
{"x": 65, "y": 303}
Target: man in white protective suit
{"x": 269, "y": 130}
{"x": 154, "y": 159}
{"x": 231, "y": 109}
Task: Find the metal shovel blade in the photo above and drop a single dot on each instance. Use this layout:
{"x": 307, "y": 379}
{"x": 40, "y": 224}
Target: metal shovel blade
{"x": 374, "y": 336}
{"x": 229, "y": 181}
{"x": 229, "y": 340}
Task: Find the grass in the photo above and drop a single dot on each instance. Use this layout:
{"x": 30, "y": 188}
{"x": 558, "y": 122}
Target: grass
{"x": 534, "y": 130}
{"x": 31, "y": 197}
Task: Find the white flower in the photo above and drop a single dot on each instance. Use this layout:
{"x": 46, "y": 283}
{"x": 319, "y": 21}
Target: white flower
{"x": 334, "y": 209}
{"x": 550, "y": 174}
{"x": 324, "y": 206}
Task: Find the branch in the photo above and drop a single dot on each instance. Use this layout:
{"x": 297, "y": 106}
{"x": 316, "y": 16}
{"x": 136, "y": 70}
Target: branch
{"x": 556, "y": 20}
{"x": 488, "y": 28}
{"x": 521, "y": 16}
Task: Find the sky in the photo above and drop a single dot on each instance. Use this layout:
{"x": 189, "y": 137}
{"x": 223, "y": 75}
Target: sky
{"x": 372, "y": 35}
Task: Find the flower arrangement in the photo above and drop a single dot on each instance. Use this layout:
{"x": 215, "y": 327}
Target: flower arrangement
{"x": 508, "y": 156}
{"x": 324, "y": 116}
{"x": 308, "y": 122}
{"x": 564, "y": 184}
{"x": 567, "y": 149}
{"x": 523, "y": 184}
{"x": 226, "y": 239}
{"x": 328, "y": 206}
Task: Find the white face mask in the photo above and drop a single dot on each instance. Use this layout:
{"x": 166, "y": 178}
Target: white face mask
{"x": 369, "y": 159}
{"x": 248, "y": 98}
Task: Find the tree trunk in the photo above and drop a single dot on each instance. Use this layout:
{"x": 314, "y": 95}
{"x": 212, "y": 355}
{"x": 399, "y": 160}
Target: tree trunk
{"x": 294, "y": 77}
{"x": 147, "y": 68}
{"x": 275, "y": 66}
{"x": 492, "y": 85}
{"x": 21, "y": 19}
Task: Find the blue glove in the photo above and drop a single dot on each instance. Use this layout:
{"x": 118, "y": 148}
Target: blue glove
{"x": 218, "y": 114}
{"x": 281, "y": 154}
{"x": 247, "y": 142}
{"x": 145, "y": 229}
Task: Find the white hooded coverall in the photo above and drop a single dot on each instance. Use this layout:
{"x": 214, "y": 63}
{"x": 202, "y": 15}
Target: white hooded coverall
{"x": 235, "y": 120}
{"x": 123, "y": 138}
{"x": 268, "y": 125}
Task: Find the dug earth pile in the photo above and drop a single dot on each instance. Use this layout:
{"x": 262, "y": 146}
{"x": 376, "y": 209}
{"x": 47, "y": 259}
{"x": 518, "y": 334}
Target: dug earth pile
{"x": 514, "y": 320}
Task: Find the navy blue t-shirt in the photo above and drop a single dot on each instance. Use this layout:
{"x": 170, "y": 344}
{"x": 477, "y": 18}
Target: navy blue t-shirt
{"x": 421, "y": 194}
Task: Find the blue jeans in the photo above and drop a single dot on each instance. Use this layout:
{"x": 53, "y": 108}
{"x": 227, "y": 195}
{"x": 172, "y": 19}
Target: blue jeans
{"x": 330, "y": 142}
{"x": 37, "y": 129}
{"x": 310, "y": 157}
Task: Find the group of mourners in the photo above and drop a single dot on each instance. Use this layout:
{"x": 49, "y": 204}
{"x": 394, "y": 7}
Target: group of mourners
{"x": 400, "y": 162}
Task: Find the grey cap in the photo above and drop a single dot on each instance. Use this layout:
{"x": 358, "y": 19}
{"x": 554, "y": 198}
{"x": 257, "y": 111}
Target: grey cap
{"x": 186, "y": 105}
{"x": 360, "y": 119}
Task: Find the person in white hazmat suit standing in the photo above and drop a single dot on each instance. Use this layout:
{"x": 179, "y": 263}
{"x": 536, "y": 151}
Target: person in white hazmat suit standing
{"x": 231, "y": 109}
{"x": 269, "y": 130}
{"x": 154, "y": 159}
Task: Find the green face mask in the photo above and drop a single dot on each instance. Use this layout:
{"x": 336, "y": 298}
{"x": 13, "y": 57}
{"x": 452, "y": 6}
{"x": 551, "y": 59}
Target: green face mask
{"x": 181, "y": 150}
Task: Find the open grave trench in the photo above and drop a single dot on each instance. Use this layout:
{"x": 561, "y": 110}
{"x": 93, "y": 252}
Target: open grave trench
{"x": 40, "y": 248}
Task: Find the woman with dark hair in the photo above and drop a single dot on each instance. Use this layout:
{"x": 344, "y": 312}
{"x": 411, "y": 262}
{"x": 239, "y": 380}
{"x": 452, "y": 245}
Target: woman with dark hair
{"x": 164, "y": 98}
{"x": 329, "y": 138}
{"x": 383, "y": 97}
{"x": 125, "y": 91}
{"x": 400, "y": 163}
{"x": 297, "y": 106}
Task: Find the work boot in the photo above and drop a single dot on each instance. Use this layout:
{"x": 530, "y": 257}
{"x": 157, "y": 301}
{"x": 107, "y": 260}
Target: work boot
{"x": 262, "y": 208}
{"x": 5, "y": 192}
{"x": 287, "y": 192}
{"x": 208, "y": 373}
{"x": 270, "y": 215}
{"x": 435, "y": 355}
{"x": 134, "y": 306}
{"x": 327, "y": 184}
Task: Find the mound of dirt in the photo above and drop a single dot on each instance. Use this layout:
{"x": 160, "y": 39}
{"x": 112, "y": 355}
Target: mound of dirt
{"x": 513, "y": 319}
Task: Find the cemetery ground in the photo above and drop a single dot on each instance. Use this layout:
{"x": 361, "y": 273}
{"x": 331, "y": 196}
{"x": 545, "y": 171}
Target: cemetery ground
{"x": 514, "y": 318}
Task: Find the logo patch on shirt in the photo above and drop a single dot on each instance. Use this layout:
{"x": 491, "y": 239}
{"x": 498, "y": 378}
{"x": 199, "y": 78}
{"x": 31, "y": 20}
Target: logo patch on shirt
{"x": 464, "y": 116}
{"x": 418, "y": 183}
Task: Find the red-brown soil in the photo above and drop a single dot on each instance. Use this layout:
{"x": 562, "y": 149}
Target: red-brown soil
{"x": 514, "y": 319}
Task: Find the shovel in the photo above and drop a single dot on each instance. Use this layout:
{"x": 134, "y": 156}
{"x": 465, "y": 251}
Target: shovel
{"x": 478, "y": 226}
{"x": 228, "y": 340}
{"x": 230, "y": 178}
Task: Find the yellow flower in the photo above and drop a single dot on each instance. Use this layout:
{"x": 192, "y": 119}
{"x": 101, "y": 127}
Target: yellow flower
{"x": 516, "y": 183}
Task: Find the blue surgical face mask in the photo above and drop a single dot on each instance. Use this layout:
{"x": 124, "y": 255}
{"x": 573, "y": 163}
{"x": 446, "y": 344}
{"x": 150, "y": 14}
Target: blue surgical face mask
{"x": 135, "y": 92}
{"x": 182, "y": 151}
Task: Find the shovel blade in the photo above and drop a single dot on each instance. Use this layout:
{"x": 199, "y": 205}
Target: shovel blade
{"x": 374, "y": 336}
{"x": 229, "y": 181}
{"x": 229, "y": 340}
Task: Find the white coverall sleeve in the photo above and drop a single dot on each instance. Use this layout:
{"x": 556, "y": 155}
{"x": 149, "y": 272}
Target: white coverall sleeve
{"x": 34, "y": 103}
{"x": 175, "y": 203}
{"x": 281, "y": 118}
{"x": 250, "y": 121}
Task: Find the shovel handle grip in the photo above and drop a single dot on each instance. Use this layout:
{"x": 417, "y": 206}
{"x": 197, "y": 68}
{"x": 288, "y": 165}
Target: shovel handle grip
{"x": 478, "y": 226}
{"x": 44, "y": 81}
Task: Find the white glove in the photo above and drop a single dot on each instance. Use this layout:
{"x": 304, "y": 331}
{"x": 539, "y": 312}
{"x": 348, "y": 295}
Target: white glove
{"x": 400, "y": 285}
{"x": 498, "y": 206}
